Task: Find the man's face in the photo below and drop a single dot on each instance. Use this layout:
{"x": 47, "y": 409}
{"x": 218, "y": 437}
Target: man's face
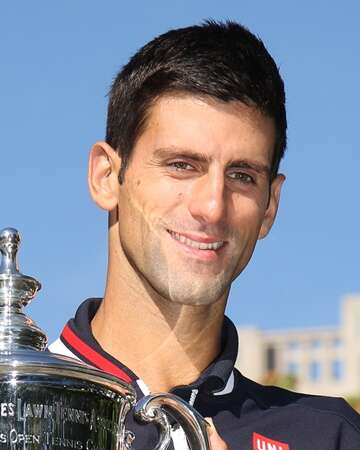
{"x": 195, "y": 196}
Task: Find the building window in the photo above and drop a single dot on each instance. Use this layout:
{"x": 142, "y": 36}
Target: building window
{"x": 293, "y": 345}
{"x": 315, "y": 343}
{"x": 315, "y": 371}
{"x": 293, "y": 368}
{"x": 337, "y": 343}
{"x": 337, "y": 369}
{"x": 270, "y": 358}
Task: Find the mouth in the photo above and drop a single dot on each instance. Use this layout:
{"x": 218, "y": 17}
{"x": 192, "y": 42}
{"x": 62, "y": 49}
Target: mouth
{"x": 203, "y": 247}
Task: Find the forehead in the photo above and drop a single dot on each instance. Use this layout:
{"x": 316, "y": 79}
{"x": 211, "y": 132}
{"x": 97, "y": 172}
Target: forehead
{"x": 220, "y": 130}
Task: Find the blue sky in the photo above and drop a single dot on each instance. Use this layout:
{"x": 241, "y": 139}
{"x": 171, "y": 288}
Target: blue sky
{"x": 57, "y": 63}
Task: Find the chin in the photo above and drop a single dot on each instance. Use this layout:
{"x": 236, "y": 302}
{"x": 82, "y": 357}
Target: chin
{"x": 186, "y": 287}
{"x": 192, "y": 296}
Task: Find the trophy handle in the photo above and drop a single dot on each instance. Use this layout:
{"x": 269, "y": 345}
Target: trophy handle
{"x": 154, "y": 408}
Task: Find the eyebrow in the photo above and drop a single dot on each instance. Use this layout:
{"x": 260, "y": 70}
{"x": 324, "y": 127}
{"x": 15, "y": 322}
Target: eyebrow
{"x": 178, "y": 152}
{"x": 181, "y": 153}
{"x": 249, "y": 164}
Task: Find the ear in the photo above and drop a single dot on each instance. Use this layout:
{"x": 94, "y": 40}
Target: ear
{"x": 270, "y": 213}
{"x": 104, "y": 166}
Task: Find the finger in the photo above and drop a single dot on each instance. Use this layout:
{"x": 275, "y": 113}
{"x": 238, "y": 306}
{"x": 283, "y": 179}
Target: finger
{"x": 216, "y": 443}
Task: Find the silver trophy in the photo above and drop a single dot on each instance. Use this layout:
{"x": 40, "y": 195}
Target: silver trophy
{"x": 52, "y": 402}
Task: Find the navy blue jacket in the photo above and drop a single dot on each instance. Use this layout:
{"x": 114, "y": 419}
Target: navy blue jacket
{"x": 247, "y": 415}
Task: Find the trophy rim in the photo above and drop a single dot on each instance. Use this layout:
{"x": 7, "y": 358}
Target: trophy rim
{"x": 26, "y": 361}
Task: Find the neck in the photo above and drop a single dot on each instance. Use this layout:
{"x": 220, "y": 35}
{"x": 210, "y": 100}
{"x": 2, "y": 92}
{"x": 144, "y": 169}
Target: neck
{"x": 166, "y": 344}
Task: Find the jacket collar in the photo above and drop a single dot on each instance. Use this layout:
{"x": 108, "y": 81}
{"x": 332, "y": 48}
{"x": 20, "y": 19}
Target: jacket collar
{"x": 216, "y": 379}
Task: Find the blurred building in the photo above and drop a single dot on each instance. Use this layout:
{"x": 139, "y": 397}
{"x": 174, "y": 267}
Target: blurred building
{"x": 324, "y": 360}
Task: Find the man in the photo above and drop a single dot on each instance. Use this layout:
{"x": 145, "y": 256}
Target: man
{"x": 189, "y": 175}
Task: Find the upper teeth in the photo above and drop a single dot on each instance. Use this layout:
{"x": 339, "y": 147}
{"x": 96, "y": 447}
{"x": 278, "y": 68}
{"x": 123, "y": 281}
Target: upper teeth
{"x": 196, "y": 244}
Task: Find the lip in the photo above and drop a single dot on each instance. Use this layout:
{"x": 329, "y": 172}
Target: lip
{"x": 198, "y": 238}
{"x": 200, "y": 254}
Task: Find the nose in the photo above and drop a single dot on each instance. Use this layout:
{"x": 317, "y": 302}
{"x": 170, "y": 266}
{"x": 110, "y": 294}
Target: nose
{"x": 207, "y": 202}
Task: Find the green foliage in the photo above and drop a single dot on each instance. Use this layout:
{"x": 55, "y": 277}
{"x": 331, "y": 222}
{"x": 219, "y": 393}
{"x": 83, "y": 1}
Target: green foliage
{"x": 285, "y": 381}
{"x": 354, "y": 401}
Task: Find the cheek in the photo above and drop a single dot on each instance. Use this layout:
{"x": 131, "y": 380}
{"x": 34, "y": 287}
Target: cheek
{"x": 162, "y": 194}
{"x": 248, "y": 216}
{"x": 151, "y": 204}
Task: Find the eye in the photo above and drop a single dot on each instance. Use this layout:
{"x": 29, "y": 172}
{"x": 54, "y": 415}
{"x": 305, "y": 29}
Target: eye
{"x": 180, "y": 165}
{"x": 242, "y": 177}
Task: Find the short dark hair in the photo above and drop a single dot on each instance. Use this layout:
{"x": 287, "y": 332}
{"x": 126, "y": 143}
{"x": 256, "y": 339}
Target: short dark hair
{"x": 222, "y": 60}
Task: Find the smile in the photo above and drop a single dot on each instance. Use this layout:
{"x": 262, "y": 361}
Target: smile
{"x": 196, "y": 244}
